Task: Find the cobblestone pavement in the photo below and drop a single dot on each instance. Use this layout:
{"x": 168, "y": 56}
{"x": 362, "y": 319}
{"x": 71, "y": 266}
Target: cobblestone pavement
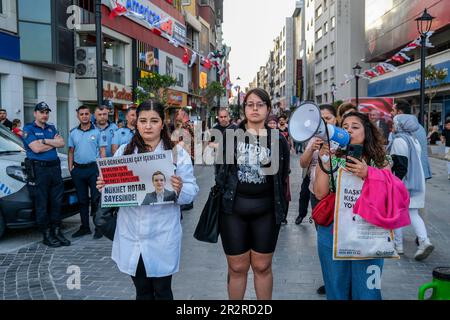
{"x": 38, "y": 272}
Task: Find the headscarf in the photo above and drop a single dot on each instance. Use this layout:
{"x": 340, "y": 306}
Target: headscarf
{"x": 405, "y": 125}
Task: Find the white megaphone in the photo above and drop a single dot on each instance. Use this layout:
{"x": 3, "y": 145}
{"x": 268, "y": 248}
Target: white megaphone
{"x": 306, "y": 122}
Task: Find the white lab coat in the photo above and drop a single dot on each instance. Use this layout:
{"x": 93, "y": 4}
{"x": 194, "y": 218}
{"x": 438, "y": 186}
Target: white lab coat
{"x": 154, "y": 231}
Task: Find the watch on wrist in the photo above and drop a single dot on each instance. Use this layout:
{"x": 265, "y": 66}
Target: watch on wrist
{"x": 43, "y": 141}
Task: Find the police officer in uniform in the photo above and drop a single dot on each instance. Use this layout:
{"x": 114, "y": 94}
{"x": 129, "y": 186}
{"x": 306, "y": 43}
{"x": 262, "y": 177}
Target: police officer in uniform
{"x": 86, "y": 144}
{"x": 124, "y": 135}
{"x": 106, "y": 127}
{"x": 41, "y": 140}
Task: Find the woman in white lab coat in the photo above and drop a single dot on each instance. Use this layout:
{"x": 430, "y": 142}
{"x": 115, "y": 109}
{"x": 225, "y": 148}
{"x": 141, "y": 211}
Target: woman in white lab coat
{"x": 147, "y": 241}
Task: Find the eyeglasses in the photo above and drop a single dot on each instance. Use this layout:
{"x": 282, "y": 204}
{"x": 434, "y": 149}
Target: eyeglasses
{"x": 252, "y": 105}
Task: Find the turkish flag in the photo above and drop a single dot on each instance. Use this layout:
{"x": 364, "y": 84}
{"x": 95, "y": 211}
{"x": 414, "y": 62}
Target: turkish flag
{"x": 186, "y": 56}
{"x": 370, "y": 73}
{"x": 380, "y": 70}
{"x": 119, "y": 10}
{"x": 398, "y": 58}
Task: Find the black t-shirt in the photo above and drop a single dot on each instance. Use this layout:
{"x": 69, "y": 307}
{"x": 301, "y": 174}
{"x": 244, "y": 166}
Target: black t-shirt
{"x": 252, "y": 157}
{"x": 221, "y": 129}
{"x": 446, "y": 135}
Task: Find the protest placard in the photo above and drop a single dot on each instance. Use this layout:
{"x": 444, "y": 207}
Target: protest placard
{"x": 137, "y": 179}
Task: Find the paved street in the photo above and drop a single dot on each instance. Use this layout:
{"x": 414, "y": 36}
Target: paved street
{"x": 29, "y": 270}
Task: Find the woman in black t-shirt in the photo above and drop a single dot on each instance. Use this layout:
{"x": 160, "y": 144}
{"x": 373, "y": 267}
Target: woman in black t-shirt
{"x": 254, "y": 202}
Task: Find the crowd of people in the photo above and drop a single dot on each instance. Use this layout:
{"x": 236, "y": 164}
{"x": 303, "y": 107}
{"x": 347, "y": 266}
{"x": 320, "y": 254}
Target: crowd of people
{"x": 254, "y": 204}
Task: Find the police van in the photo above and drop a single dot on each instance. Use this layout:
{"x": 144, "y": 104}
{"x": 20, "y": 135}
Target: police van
{"x": 16, "y": 191}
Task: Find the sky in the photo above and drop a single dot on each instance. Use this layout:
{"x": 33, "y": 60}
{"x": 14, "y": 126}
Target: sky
{"x": 249, "y": 28}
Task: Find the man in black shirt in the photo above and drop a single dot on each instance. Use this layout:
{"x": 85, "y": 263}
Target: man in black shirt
{"x": 4, "y": 120}
{"x": 446, "y": 140}
{"x": 224, "y": 123}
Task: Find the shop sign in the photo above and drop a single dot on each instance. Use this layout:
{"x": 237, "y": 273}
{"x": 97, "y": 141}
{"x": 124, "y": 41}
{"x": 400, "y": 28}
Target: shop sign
{"x": 115, "y": 92}
{"x": 151, "y": 14}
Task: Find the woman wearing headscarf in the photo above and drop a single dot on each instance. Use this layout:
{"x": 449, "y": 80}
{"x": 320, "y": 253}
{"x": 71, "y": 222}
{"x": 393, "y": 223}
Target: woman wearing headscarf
{"x": 406, "y": 151}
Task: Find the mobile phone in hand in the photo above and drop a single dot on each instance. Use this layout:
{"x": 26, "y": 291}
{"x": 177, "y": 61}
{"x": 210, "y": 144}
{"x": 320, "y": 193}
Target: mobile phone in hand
{"x": 355, "y": 151}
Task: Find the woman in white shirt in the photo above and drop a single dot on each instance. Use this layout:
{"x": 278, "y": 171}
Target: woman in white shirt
{"x": 147, "y": 240}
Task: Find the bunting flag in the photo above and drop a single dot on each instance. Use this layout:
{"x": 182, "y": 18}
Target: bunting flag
{"x": 380, "y": 70}
{"x": 117, "y": 10}
{"x": 370, "y": 73}
{"x": 186, "y": 56}
{"x": 193, "y": 59}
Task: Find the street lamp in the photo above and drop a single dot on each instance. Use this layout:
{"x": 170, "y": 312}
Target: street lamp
{"x": 99, "y": 50}
{"x": 423, "y": 27}
{"x": 239, "y": 94}
{"x": 356, "y": 73}
{"x": 333, "y": 90}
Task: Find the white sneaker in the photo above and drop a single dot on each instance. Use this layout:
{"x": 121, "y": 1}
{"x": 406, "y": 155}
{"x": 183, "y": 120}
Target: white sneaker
{"x": 399, "y": 249}
{"x": 424, "y": 250}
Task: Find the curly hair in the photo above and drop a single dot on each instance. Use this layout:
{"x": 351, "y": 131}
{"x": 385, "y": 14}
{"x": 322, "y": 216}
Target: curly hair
{"x": 373, "y": 148}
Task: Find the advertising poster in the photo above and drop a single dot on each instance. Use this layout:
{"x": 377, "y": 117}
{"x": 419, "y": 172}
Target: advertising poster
{"x": 137, "y": 180}
{"x": 173, "y": 66}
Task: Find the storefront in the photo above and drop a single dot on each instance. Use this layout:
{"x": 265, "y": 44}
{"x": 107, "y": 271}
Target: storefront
{"x": 405, "y": 84}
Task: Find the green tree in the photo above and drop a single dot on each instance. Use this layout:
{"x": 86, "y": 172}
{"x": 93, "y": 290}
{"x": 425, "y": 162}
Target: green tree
{"x": 155, "y": 86}
{"x": 434, "y": 79}
{"x": 213, "y": 90}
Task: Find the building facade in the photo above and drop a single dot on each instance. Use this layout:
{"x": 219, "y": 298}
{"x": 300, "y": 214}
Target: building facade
{"x": 388, "y": 30}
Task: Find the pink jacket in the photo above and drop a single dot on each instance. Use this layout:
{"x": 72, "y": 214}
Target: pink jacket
{"x": 384, "y": 200}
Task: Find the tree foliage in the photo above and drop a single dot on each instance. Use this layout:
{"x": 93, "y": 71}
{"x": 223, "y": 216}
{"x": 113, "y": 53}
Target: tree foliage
{"x": 155, "y": 86}
{"x": 434, "y": 79}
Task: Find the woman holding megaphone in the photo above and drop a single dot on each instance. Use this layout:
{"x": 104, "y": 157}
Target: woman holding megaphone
{"x": 348, "y": 280}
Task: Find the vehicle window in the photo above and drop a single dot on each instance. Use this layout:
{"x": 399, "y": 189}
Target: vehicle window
{"x": 9, "y": 142}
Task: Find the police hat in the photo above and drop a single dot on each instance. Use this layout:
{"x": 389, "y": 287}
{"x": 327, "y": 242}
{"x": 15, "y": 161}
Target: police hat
{"x": 42, "y": 106}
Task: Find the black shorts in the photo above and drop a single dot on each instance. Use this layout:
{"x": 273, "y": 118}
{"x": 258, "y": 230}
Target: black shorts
{"x": 244, "y": 231}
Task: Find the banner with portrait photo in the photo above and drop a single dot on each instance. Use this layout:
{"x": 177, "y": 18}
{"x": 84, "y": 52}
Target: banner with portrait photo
{"x": 137, "y": 179}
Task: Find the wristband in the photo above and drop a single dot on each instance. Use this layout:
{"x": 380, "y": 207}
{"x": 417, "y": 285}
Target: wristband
{"x": 43, "y": 141}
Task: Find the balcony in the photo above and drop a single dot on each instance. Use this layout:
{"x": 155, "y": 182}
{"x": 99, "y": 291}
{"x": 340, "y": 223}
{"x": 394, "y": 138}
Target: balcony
{"x": 86, "y": 10}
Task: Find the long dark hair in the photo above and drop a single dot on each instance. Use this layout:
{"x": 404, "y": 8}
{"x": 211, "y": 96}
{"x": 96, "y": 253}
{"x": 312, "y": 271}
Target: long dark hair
{"x": 137, "y": 141}
{"x": 373, "y": 148}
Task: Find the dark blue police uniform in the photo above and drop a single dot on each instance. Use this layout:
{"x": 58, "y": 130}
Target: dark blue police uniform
{"x": 49, "y": 187}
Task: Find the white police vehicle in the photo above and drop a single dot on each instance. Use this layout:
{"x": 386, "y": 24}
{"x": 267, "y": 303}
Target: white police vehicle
{"x": 16, "y": 193}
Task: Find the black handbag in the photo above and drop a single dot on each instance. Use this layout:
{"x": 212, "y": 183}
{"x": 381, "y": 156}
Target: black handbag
{"x": 207, "y": 229}
{"x": 105, "y": 220}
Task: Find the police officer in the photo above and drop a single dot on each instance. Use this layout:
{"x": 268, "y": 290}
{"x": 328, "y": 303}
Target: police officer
{"x": 41, "y": 140}
{"x": 106, "y": 127}
{"x": 86, "y": 144}
{"x": 124, "y": 135}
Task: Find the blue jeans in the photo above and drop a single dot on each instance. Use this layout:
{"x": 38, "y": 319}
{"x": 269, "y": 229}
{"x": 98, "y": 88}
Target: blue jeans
{"x": 347, "y": 280}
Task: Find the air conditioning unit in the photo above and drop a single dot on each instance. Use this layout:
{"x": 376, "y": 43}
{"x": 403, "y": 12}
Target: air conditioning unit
{"x": 85, "y": 62}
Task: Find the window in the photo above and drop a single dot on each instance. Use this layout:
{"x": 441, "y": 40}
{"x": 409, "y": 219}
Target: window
{"x": 62, "y": 112}
{"x": 332, "y": 75}
{"x": 319, "y": 11}
{"x": 324, "y": 4}
{"x": 333, "y": 22}
{"x": 325, "y": 27}
{"x": 325, "y": 75}
{"x": 319, "y": 78}
{"x": 30, "y": 96}
{"x": 325, "y": 52}
{"x": 332, "y": 47}
{"x": 318, "y": 56}
{"x": 1, "y": 6}
{"x": 325, "y": 97}
{"x": 185, "y": 2}
{"x": 319, "y": 34}
{"x": 319, "y": 99}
